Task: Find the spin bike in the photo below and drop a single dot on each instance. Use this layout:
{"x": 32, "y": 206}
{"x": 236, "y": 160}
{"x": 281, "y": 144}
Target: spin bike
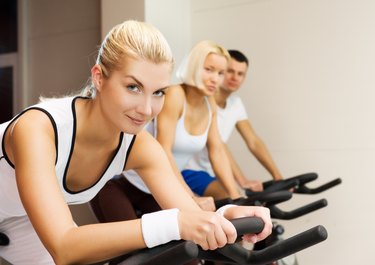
{"x": 180, "y": 252}
{"x": 298, "y": 185}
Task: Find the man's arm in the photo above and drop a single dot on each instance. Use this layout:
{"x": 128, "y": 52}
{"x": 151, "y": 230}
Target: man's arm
{"x": 258, "y": 148}
{"x": 254, "y": 185}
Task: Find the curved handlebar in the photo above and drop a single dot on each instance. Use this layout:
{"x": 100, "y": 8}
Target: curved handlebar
{"x": 298, "y": 183}
{"x": 239, "y": 255}
{"x": 302, "y": 189}
{"x": 283, "y": 215}
{"x": 299, "y": 180}
{"x": 179, "y": 252}
{"x": 175, "y": 252}
{"x": 270, "y": 200}
{"x": 259, "y": 198}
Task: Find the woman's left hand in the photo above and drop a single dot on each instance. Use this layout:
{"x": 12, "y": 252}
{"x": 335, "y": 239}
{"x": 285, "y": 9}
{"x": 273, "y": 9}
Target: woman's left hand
{"x": 257, "y": 211}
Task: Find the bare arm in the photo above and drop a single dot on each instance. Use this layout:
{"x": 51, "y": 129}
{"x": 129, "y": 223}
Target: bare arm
{"x": 254, "y": 185}
{"x": 46, "y": 207}
{"x": 258, "y": 148}
{"x": 218, "y": 157}
{"x": 166, "y": 127}
{"x": 152, "y": 163}
{"x": 158, "y": 175}
{"x": 52, "y": 220}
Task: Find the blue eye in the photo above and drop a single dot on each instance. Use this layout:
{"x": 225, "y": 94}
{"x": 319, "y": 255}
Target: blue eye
{"x": 159, "y": 93}
{"x": 133, "y": 88}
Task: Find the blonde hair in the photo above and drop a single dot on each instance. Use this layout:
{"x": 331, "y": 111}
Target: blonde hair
{"x": 190, "y": 70}
{"x": 134, "y": 39}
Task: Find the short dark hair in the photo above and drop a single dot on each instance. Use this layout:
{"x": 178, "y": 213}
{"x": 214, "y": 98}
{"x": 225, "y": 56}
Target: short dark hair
{"x": 238, "y": 56}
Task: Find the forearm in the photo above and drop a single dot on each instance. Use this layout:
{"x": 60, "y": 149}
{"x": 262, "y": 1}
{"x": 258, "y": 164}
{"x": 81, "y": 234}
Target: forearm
{"x": 80, "y": 245}
{"x": 264, "y": 157}
{"x": 221, "y": 167}
{"x": 236, "y": 170}
{"x": 178, "y": 174}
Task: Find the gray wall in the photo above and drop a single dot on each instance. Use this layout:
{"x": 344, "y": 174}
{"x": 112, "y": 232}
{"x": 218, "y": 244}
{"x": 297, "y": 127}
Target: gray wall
{"x": 60, "y": 40}
{"x": 309, "y": 94}
{"x": 58, "y": 44}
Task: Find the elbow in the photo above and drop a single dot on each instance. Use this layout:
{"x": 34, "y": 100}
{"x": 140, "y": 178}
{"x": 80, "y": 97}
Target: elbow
{"x": 60, "y": 259}
{"x": 64, "y": 257}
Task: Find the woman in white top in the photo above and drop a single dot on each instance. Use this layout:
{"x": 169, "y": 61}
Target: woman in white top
{"x": 187, "y": 123}
{"x": 62, "y": 151}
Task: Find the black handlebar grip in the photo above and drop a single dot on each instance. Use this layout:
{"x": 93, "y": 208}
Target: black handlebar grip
{"x": 288, "y": 246}
{"x": 248, "y": 225}
{"x": 175, "y": 252}
{"x": 305, "y": 178}
{"x": 245, "y": 225}
{"x": 222, "y": 202}
{"x": 283, "y": 215}
{"x": 4, "y": 240}
{"x": 305, "y": 190}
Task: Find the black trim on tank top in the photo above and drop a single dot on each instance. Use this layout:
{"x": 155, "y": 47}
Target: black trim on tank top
{"x": 72, "y": 148}
{"x": 129, "y": 149}
{"x": 19, "y": 115}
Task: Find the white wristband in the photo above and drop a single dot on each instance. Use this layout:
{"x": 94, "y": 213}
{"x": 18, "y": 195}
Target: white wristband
{"x": 160, "y": 227}
{"x": 222, "y": 209}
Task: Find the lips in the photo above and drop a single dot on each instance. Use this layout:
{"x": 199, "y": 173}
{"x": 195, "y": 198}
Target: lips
{"x": 211, "y": 88}
{"x": 137, "y": 121}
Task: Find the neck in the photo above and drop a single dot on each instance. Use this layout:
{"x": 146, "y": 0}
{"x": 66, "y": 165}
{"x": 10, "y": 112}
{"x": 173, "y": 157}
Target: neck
{"x": 193, "y": 95}
{"x": 89, "y": 116}
{"x": 221, "y": 97}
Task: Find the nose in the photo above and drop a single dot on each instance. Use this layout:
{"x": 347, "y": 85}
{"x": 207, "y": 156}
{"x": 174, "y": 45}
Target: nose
{"x": 215, "y": 77}
{"x": 145, "y": 107}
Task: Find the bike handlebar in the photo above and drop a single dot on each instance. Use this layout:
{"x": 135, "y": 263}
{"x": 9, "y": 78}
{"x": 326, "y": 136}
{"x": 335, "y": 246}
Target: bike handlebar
{"x": 302, "y": 189}
{"x": 288, "y": 215}
{"x": 179, "y": 252}
{"x": 298, "y": 183}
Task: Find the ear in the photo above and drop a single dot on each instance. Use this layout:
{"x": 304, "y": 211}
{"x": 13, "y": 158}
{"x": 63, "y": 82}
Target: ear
{"x": 97, "y": 76}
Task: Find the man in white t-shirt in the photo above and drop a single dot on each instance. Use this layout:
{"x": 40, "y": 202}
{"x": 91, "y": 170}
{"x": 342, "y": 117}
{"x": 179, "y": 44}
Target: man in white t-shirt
{"x": 232, "y": 114}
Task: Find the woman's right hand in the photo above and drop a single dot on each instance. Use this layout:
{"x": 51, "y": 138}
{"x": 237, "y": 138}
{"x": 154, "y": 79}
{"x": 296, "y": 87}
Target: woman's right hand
{"x": 209, "y": 230}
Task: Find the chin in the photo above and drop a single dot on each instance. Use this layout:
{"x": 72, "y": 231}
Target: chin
{"x": 132, "y": 129}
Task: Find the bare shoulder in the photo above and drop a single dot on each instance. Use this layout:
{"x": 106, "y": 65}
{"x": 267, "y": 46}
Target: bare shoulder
{"x": 33, "y": 130}
{"x": 174, "y": 100}
{"x": 32, "y": 122}
{"x": 144, "y": 151}
{"x": 175, "y": 91}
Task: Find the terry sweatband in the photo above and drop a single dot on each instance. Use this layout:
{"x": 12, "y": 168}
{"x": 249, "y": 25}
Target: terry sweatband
{"x": 222, "y": 209}
{"x": 160, "y": 227}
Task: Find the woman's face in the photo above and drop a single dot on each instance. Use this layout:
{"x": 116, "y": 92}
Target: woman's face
{"x": 213, "y": 73}
{"x": 134, "y": 94}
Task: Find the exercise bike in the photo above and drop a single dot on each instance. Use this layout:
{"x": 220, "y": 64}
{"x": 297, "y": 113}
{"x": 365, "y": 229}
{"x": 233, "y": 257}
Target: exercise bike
{"x": 185, "y": 251}
{"x": 297, "y": 185}
{"x": 180, "y": 252}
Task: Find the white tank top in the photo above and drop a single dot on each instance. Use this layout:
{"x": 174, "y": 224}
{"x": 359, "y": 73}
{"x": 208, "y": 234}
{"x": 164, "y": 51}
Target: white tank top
{"x": 186, "y": 145}
{"x": 63, "y": 118}
{"x": 227, "y": 118}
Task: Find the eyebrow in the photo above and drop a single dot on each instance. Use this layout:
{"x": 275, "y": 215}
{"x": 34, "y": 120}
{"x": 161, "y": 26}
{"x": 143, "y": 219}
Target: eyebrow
{"x": 136, "y": 80}
{"x": 141, "y": 85}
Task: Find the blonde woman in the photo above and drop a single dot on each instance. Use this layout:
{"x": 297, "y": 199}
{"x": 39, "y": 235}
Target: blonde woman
{"x": 62, "y": 151}
{"x": 187, "y": 123}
